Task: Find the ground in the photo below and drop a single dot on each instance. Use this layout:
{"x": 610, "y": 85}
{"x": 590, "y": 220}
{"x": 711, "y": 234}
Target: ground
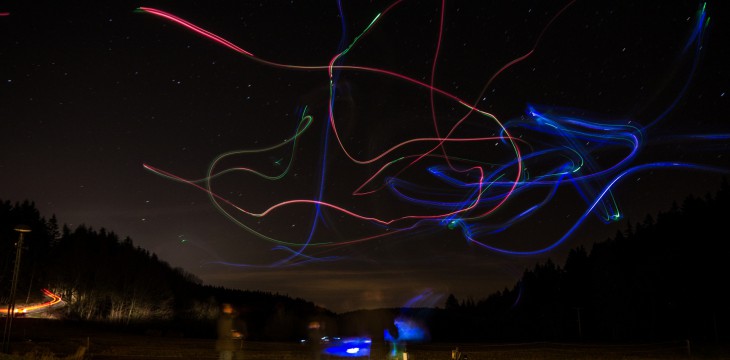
{"x": 34, "y": 339}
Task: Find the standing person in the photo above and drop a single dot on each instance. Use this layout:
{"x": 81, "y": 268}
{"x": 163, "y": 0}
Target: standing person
{"x": 456, "y": 354}
{"x": 229, "y": 333}
{"x": 316, "y": 329}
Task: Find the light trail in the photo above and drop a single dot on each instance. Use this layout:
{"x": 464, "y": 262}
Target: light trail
{"x": 55, "y": 299}
{"x": 553, "y": 150}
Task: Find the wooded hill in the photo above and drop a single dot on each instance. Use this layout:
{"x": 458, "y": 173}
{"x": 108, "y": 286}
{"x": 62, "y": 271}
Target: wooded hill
{"x": 663, "y": 278}
{"x": 106, "y": 279}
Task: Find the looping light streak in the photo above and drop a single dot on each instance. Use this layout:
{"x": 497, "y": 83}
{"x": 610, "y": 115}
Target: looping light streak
{"x": 55, "y": 299}
{"x": 552, "y": 151}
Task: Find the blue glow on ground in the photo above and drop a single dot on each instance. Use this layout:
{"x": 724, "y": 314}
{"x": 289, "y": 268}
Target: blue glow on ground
{"x": 349, "y": 347}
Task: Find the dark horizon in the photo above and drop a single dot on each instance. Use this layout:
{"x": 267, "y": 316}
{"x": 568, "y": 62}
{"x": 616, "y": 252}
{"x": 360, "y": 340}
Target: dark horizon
{"x": 640, "y": 286}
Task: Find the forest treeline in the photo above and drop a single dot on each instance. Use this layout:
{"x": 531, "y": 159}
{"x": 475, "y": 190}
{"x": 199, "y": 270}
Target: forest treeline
{"x": 108, "y": 280}
{"x": 664, "y": 278}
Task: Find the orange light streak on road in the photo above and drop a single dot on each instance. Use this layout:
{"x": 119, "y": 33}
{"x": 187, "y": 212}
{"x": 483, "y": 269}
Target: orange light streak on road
{"x": 55, "y": 299}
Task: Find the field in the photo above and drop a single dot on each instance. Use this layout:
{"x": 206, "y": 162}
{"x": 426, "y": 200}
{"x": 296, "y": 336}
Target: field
{"x": 49, "y": 341}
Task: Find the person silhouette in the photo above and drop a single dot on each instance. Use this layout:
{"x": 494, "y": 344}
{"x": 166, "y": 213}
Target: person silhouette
{"x": 456, "y": 354}
{"x": 230, "y": 331}
{"x": 316, "y": 331}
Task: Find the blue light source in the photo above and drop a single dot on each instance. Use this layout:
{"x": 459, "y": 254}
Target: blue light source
{"x": 349, "y": 347}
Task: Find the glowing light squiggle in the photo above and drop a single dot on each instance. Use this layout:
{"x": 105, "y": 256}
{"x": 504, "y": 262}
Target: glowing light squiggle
{"x": 439, "y": 187}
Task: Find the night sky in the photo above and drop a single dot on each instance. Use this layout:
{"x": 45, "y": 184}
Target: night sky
{"x": 359, "y": 154}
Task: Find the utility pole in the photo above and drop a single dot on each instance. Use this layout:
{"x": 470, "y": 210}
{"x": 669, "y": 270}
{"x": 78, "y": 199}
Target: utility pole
{"x": 580, "y": 327}
{"x": 21, "y": 229}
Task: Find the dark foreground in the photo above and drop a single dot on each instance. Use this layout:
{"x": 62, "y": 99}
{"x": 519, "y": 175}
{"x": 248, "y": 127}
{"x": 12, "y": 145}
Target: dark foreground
{"x": 35, "y": 339}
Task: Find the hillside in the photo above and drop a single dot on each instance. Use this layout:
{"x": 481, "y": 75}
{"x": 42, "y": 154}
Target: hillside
{"x": 658, "y": 280}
